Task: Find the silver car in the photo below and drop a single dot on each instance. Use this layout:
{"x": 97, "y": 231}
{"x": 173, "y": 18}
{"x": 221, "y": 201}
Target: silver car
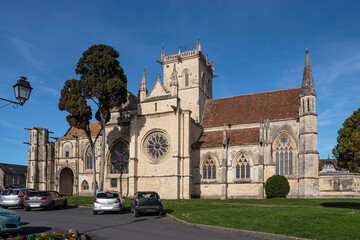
{"x": 14, "y": 197}
{"x": 108, "y": 201}
{"x": 44, "y": 199}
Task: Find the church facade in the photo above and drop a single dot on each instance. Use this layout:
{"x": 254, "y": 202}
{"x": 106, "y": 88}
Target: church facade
{"x": 177, "y": 140}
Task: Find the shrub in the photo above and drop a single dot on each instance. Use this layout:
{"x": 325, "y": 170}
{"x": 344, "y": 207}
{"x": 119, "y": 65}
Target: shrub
{"x": 277, "y": 186}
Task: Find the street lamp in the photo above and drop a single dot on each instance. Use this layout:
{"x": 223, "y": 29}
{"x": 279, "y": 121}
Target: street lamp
{"x": 22, "y": 90}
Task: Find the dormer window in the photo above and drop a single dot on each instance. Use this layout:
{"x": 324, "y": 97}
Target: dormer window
{"x": 328, "y": 165}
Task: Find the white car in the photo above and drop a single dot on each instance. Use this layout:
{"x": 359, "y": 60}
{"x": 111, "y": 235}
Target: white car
{"x": 108, "y": 201}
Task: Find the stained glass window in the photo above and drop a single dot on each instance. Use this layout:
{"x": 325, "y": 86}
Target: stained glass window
{"x": 284, "y": 149}
{"x": 85, "y": 185}
{"x": 157, "y": 146}
{"x": 119, "y": 159}
{"x": 209, "y": 168}
{"x": 242, "y": 168}
{"x": 88, "y": 159}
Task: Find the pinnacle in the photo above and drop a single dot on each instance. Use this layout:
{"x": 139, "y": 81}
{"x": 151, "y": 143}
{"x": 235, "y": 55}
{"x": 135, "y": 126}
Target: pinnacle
{"x": 307, "y": 88}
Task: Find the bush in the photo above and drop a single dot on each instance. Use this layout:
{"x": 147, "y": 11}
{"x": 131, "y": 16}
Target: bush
{"x": 277, "y": 186}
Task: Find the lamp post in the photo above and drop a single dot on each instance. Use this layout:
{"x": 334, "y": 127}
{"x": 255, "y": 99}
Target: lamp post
{"x": 22, "y": 90}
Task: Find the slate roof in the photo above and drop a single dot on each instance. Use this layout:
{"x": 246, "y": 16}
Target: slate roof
{"x": 13, "y": 169}
{"x": 251, "y": 108}
{"x": 235, "y": 137}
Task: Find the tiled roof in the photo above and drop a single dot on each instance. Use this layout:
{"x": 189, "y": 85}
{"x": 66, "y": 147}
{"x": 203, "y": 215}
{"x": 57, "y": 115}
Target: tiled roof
{"x": 251, "y": 108}
{"x": 236, "y": 137}
{"x": 322, "y": 162}
{"x": 73, "y": 131}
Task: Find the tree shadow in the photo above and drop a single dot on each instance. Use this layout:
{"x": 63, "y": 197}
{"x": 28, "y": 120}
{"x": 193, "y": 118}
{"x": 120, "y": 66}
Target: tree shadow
{"x": 351, "y": 205}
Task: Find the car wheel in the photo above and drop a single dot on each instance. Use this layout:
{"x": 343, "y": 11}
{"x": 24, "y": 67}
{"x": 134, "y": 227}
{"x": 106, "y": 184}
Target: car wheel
{"x": 95, "y": 212}
{"x": 65, "y": 204}
{"x": 27, "y": 209}
{"x": 52, "y": 206}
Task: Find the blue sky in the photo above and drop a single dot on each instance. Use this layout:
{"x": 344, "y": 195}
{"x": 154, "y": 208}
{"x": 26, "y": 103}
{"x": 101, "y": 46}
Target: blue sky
{"x": 256, "y": 46}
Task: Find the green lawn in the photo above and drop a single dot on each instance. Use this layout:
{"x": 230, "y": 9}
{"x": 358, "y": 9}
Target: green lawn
{"x": 307, "y": 218}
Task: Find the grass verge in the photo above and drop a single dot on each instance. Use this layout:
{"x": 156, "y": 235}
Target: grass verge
{"x": 337, "y": 219}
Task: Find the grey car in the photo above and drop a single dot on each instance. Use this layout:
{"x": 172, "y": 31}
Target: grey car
{"x": 109, "y": 201}
{"x": 44, "y": 199}
{"x": 14, "y": 197}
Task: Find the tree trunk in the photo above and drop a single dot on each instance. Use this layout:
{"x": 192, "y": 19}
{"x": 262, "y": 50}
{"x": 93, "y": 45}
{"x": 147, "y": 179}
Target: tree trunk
{"x": 102, "y": 165}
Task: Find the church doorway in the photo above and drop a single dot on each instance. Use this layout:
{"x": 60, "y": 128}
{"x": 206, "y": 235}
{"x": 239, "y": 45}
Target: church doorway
{"x": 66, "y": 181}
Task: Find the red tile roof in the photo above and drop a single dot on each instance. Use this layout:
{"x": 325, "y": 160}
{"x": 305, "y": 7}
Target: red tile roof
{"x": 73, "y": 131}
{"x": 236, "y": 137}
{"x": 251, "y": 108}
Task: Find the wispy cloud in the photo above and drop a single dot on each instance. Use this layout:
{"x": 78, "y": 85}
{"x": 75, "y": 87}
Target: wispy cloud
{"x": 26, "y": 50}
{"x": 10, "y": 140}
{"x": 9, "y": 125}
{"x": 50, "y": 91}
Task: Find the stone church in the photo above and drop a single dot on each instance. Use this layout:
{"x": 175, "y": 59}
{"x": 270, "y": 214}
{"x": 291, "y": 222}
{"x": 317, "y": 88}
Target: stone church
{"x": 177, "y": 140}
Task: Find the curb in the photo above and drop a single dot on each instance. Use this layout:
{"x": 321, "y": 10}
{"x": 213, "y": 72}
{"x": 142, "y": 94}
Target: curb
{"x": 263, "y": 235}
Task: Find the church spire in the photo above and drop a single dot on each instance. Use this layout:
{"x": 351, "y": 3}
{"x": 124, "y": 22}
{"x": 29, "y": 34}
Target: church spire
{"x": 174, "y": 83}
{"x": 143, "y": 87}
{"x": 198, "y": 46}
{"x": 174, "y": 78}
{"x": 307, "y": 88}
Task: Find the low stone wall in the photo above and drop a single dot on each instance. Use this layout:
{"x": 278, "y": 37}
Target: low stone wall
{"x": 339, "y": 185}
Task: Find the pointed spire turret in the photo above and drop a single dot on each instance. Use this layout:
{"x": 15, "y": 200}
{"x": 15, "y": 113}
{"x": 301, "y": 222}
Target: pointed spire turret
{"x": 198, "y": 46}
{"x": 307, "y": 88}
{"x": 174, "y": 78}
{"x": 143, "y": 87}
{"x": 163, "y": 53}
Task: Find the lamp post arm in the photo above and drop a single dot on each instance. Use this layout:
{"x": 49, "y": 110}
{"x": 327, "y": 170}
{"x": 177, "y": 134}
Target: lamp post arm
{"x": 11, "y": 101}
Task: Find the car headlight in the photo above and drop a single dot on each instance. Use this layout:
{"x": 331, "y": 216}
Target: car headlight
{"x": 8, "y": 214}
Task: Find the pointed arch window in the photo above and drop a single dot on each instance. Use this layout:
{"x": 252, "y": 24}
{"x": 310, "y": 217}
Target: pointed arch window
{"x": 119, "y": 159}
{"x": 88, "y": 159}
{"x": 242, "y": 169}
{"x": 284, "y": 153}
{"x": 85, "y": 185}
{"x": 209, "y": 168}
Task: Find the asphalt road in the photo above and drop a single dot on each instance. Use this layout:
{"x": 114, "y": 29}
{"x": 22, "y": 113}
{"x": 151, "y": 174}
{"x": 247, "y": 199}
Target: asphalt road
{"x": 113, "y": 225}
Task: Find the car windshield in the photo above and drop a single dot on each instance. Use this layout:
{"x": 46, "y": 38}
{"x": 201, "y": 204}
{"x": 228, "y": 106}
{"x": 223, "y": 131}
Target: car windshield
{"x": 10, "y": 192}
{"x": 31, "y": 194}
{"x": 107, "y": 195}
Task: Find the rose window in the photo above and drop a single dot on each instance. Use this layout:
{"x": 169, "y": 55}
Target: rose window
{"x": 156, "y": 146}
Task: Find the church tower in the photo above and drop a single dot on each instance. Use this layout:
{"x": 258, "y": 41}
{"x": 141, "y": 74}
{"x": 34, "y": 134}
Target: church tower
{"x": 41, "y": 155}
{"x": 194, "y": 78}
{"x": 308, "y": 153}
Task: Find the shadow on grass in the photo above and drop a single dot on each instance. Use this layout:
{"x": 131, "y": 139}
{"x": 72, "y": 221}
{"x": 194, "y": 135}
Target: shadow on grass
{"x": 167, "y": 211}
{"x": 350, "y": 205}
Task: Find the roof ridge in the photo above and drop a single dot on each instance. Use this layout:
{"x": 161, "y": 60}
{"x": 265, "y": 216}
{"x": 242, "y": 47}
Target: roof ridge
{"x": 254, "y": 93}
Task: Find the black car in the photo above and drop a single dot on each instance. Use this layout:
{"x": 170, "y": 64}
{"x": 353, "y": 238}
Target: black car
{"x": 146, "y": 202}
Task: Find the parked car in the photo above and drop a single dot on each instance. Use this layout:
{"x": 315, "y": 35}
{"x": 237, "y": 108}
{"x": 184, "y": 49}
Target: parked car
{"x": 9, "y": 221}
{"x": 44, "y": 199}
{"x": 14, "y": 197}
{"x": 108, "y": 201}
{"x": 146, "y": 202}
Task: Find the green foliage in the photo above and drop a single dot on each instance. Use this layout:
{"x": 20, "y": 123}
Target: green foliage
{"x": 277, "y": 186}
{"x": 347, "y": 150}
{"x": 102, "y": 81}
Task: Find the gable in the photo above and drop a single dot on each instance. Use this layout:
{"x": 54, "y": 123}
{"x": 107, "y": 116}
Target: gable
{"x": 157, "y": 90}
{"x": 252, "y": 108}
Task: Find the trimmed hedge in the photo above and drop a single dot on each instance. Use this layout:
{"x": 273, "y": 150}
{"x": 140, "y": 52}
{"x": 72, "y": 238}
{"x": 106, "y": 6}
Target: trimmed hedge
{"x": 277, "y": 186}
